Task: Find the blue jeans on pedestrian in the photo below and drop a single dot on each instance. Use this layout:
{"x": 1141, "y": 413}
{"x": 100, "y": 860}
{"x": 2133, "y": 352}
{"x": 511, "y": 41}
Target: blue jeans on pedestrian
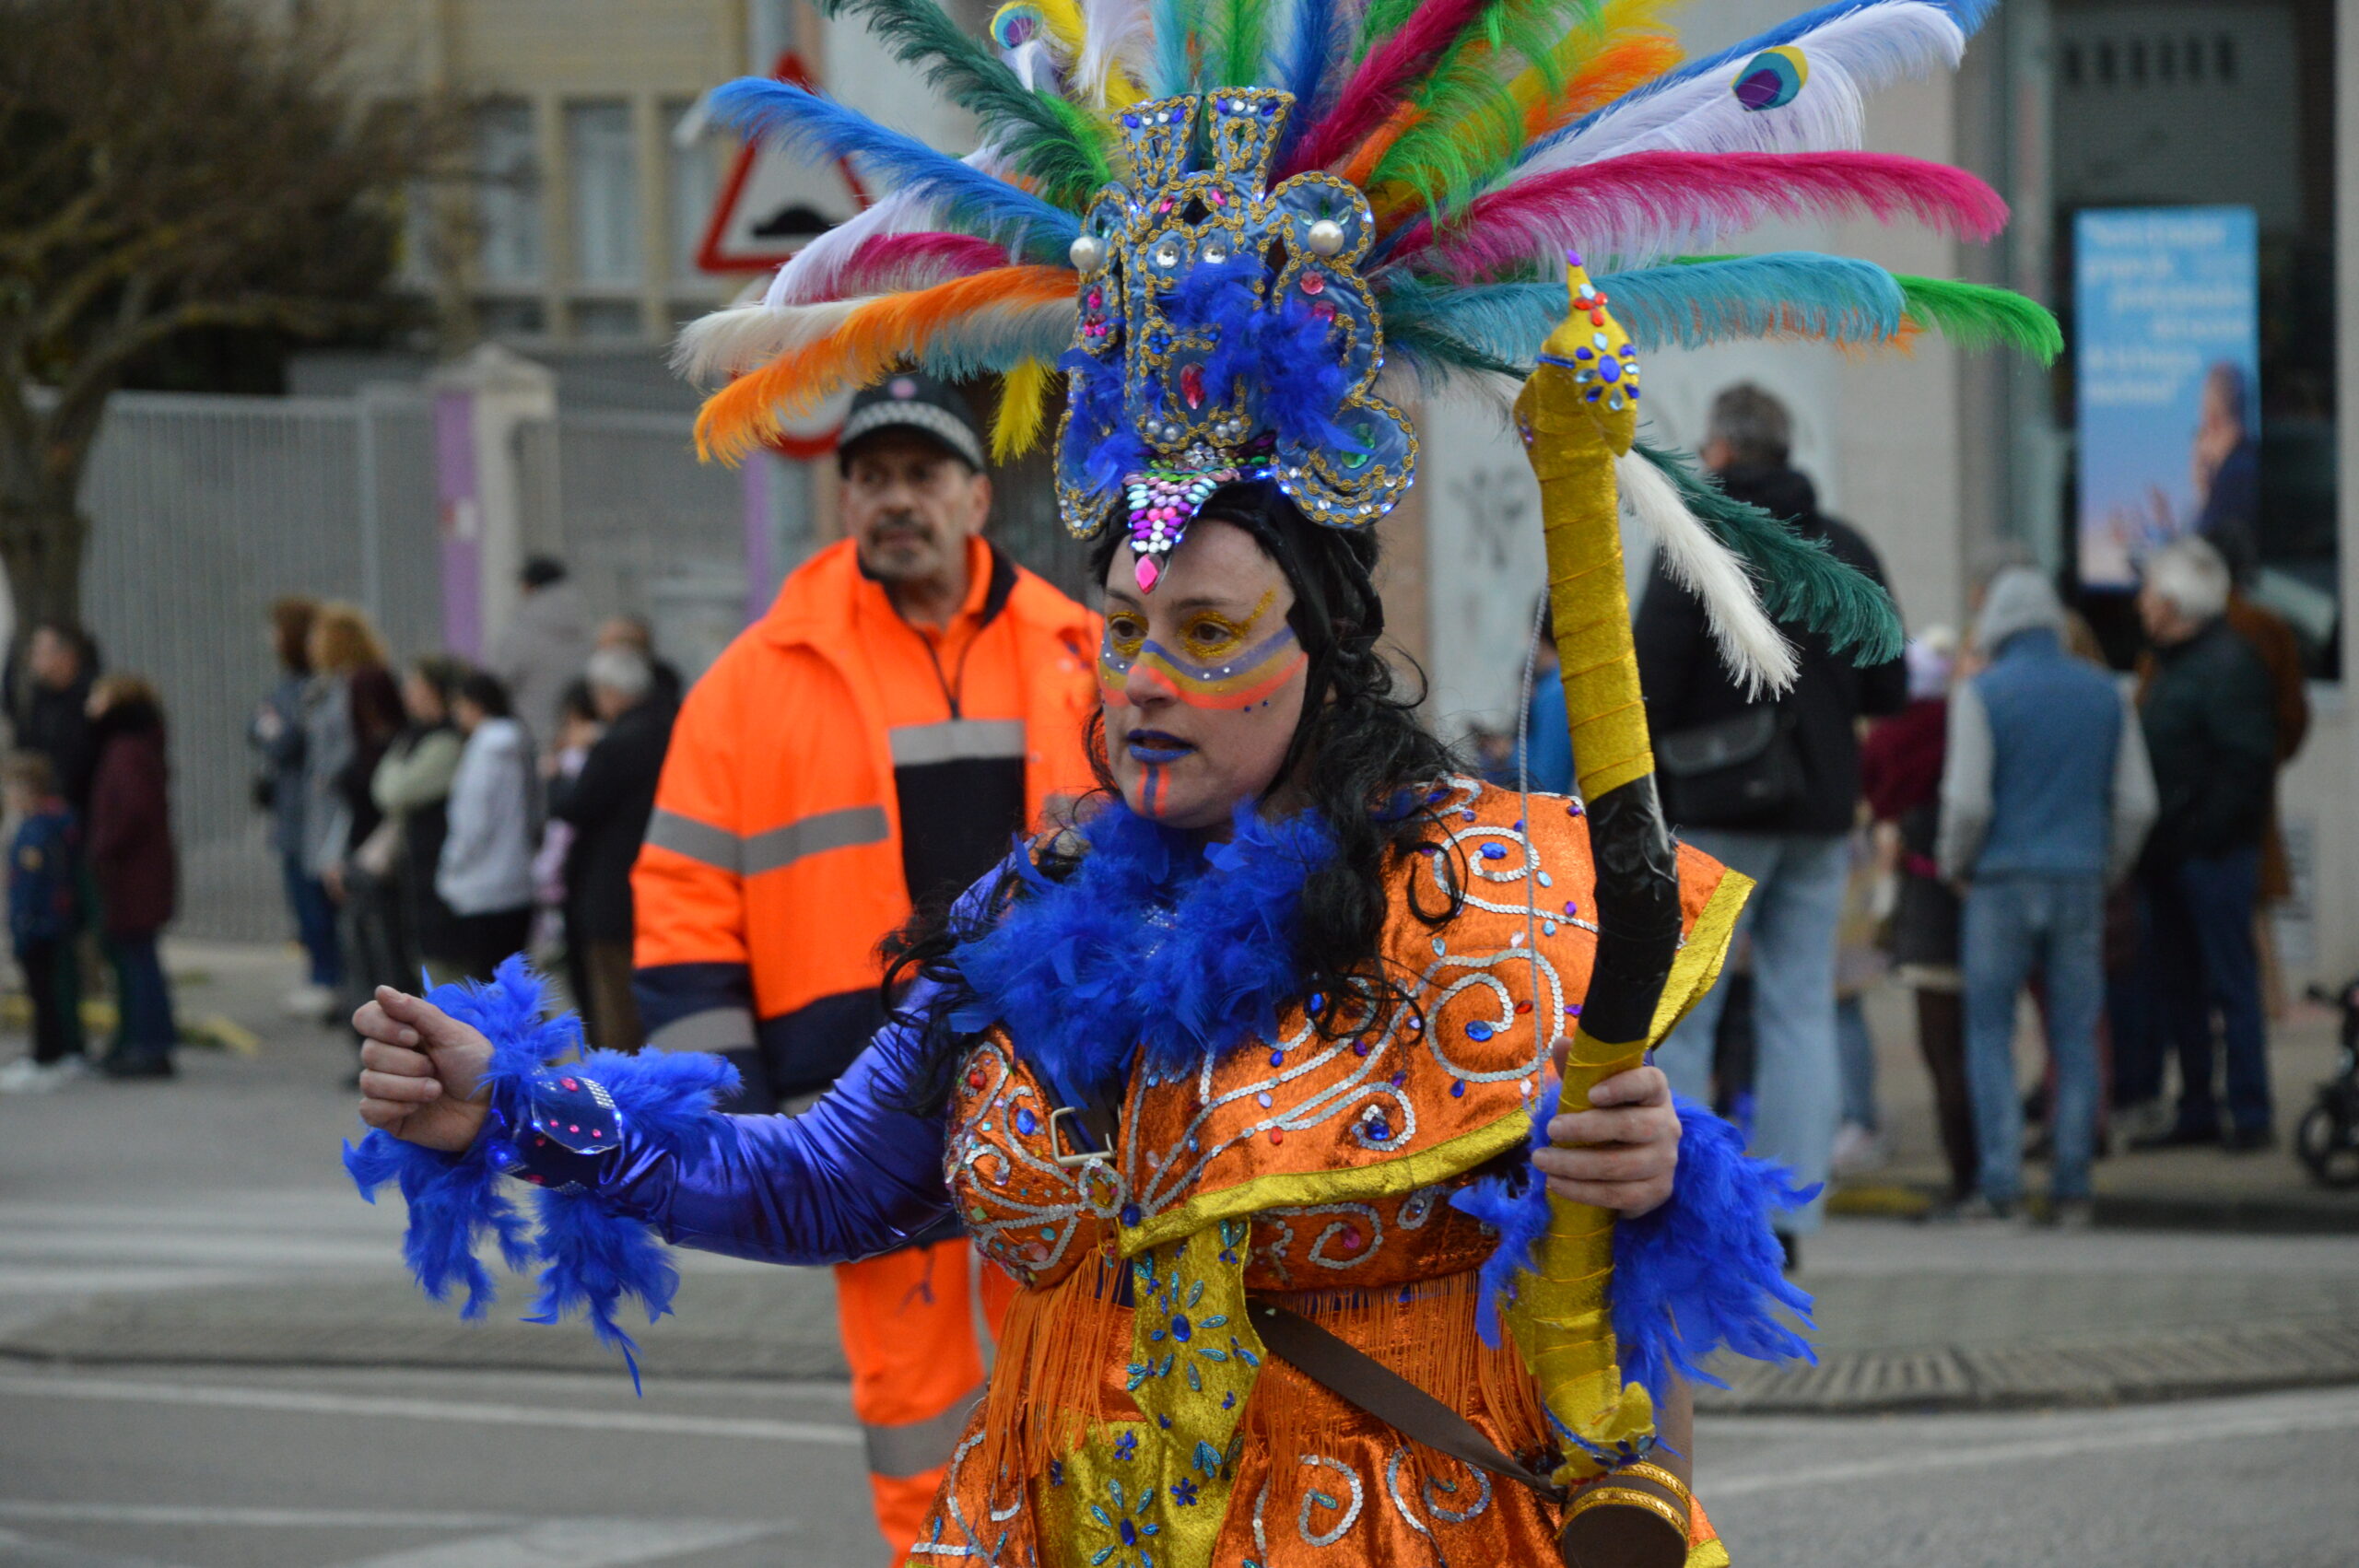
{"x": 1797, "y": 1084}
{"x": 1857, "y": 1050}
{"x": 314, "y": 912}
{"x": 144, "y": 1023}
{"x": 2201, "y": 914}
{"x": 2018, "y": 924}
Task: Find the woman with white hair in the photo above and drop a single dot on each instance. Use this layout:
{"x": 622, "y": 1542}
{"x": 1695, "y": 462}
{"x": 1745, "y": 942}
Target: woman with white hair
{"x": 2210, "y": 727}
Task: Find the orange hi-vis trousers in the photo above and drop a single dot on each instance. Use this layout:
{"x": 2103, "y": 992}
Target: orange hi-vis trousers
{"x": 907, "y": 1321}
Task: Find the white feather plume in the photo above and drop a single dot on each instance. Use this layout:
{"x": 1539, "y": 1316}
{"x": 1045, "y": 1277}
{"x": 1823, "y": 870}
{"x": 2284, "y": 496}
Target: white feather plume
{"x": 1749, "y": 645}
{"x": 1117, "y": 35}
{"x": 721, "y": 344}
{"x": 1850, "y": 56}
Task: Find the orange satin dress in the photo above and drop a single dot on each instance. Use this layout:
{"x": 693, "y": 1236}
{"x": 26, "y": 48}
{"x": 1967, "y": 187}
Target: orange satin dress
{"x": 1159, "y": 1433}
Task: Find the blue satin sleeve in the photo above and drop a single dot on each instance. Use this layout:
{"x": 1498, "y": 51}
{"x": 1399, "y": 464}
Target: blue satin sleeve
{"x": 854, "y": 1176}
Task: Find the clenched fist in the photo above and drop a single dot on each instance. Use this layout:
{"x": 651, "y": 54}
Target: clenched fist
{"x": 419, "y": 1071}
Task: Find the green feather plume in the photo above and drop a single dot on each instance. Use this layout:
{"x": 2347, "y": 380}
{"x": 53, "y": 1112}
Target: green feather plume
{"x": 1974, "y": 315}
{"x": 1801, "y": 578}
{"x": 1242, "y": 44}
{"x": 1058, "y": 144}
{"x": 1470, "y": 126}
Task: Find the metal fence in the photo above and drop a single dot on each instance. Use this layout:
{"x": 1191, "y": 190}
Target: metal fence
{"x": 206, "y": 509}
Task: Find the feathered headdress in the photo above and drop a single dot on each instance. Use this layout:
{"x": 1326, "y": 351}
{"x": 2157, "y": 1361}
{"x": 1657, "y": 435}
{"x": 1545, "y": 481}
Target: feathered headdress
{"x": 1231, "y": 223}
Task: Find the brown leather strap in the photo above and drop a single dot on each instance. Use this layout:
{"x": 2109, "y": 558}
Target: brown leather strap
{"x": 1366, "y": 1384}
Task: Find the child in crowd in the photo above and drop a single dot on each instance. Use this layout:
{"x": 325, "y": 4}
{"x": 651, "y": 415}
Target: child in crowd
{"x": 43, "y": 915}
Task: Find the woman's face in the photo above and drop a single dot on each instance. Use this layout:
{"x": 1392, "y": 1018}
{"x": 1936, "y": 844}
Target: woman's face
{"x": 422, "y": 701}
{"x": 1203, "y": 680}
{"x": 466, "y": 715}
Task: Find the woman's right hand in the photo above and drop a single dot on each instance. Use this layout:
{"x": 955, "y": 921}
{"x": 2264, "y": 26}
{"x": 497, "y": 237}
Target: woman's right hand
{"x": 420, "y": 1070}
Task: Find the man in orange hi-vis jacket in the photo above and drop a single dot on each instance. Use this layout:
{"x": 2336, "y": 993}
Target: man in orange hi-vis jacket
{"x": 911, "y": 702}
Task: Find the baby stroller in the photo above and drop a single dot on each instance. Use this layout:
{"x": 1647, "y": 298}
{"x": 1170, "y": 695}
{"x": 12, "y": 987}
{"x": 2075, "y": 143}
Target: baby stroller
{"x": 2327, "y": 1138}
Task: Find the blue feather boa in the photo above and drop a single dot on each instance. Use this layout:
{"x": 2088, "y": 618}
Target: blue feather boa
{"x": 589, "y": 1257}
{"x": 1185, "y": 948}
{"x": 1697, "y": 1276}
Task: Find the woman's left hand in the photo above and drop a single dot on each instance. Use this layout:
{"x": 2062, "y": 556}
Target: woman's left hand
{"x": 1620, "y": 1154}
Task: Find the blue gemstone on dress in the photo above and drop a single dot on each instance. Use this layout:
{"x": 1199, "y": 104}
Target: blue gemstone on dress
{"x": 1610, "y": 369}
{"x": 1130, "y": 1533}
{"x": 1493, "y": 852}
{"x": 1380, "y": 1131}
{"x": 1158, "y": 341}
{"x": 1026, "y": 1123}
{"x": 1182, "y": 1330}
{"x": 1584, "y": 353}
{"x": 1130, "y": 122}
{"x": 1478, "y": 1030}
{"x": 1458, "y": 1090}
{"x": 1130, "y": 1213}
{"x": 1318, "y": 1002}
{"x": 1277, "y": 1058}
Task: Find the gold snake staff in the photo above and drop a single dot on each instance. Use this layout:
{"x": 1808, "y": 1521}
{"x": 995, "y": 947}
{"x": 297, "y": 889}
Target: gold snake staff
{"x": 1576, "y": 413}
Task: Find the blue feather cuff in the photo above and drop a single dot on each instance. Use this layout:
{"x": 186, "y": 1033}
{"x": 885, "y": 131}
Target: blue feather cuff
{"x": 589, "y": 1257}
{"x": 1701, "y": 1274}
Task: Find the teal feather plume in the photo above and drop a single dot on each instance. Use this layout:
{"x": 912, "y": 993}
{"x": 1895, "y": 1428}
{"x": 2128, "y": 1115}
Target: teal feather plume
{"x": 1177, "y": 24}
{"x": 1700, "y": 301}
{"x": 1802, "y": 581}
{"x": 1049, "y": 139}
{"x": 1470, "y": 126}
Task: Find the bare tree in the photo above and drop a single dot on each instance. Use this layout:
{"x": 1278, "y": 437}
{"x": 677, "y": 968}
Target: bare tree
{"x": 165, "y": 166}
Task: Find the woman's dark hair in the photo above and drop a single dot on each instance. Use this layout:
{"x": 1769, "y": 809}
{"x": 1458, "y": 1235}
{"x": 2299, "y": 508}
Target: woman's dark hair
{"x": 291, "y": 632}
{"x": 1358, "y": 757}
{"x": 443, "y": 675}
{"x": 486, "y": 691}
{"x": 575, "y": 702}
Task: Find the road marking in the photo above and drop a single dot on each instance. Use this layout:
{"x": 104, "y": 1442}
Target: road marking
{"x": 2160, "y": 1427}
{"x": 574, "y": 1543}
{"x": 25, "y": 1551}
{"x": 255, "y": 1519}
{"x": 302, "y": 1403}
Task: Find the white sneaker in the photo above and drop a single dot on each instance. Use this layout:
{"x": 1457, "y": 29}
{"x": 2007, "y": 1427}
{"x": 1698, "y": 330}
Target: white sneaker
{"x": 1855, "y": 1150}
{"x": 306, "y": 1001}
{"x": 26, "y": 1076}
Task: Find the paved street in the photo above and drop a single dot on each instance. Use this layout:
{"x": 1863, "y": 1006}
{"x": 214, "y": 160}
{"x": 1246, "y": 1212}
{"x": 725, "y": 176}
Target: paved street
{"x": 208, "y": 1358}
{"x": 393, "y": 1469}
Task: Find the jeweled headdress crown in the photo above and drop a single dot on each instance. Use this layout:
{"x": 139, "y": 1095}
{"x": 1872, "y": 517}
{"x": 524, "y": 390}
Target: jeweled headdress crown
{"x": 1224, "y": 334}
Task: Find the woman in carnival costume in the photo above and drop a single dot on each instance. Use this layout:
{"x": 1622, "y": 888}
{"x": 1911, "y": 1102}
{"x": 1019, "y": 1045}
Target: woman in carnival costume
{"x": 1251, "y": 1075}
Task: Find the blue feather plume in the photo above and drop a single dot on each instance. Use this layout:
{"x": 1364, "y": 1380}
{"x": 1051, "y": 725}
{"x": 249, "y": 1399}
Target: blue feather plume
{"x": 1310, "y": 49}
{"x": 1074, "y": 972}
{"x": 1701, "y": 1274}
{"x": 971, "y": 200}
{"x": 589, "y": 1257}
{"x": 1746, "y": 297}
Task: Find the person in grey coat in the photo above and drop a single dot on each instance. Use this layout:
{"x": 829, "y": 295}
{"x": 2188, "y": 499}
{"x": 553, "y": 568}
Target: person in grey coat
{"x": 2047, "y": 798}
{"x": 486, "y": 871}
{"x": 543, "y": 647}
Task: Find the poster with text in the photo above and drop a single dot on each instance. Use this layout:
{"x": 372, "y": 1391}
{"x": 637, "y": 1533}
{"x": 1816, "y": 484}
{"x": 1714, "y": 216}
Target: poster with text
{"x": 2167, "y": 350}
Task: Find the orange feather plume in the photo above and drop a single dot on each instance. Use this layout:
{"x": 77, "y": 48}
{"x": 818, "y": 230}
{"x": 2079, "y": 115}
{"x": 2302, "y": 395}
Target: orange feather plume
{"x": 872, "y": 340}
{"x": 1627, "y": 63}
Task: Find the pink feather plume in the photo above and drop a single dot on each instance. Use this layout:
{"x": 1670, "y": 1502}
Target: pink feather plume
{"x": 1378, "y": 86}
{"x": 892, "y": 262}
{"x": 1640, "y": 204}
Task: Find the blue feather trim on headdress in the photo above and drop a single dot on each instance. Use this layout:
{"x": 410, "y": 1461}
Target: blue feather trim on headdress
{"x": 589, "y": 1257}
{"x": 1187, "y": 950}
{"x": 1701, "y": 1274}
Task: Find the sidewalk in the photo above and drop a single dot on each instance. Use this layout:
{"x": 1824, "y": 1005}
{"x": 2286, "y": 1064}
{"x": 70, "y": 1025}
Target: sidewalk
{"x": 208, "y": 1220}
{"x": 2168, "y": 1188}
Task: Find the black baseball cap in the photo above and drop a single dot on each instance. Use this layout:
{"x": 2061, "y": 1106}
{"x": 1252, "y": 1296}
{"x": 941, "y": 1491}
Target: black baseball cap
{"x": 908, "y": 400}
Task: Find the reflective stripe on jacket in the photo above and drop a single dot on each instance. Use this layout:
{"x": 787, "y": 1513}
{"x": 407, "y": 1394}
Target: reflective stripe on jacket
{"x": 773, "y": 865}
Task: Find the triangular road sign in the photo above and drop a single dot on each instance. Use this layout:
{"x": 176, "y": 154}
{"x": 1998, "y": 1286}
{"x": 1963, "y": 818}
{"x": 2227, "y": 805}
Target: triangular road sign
{"x": 774, "y": 203}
